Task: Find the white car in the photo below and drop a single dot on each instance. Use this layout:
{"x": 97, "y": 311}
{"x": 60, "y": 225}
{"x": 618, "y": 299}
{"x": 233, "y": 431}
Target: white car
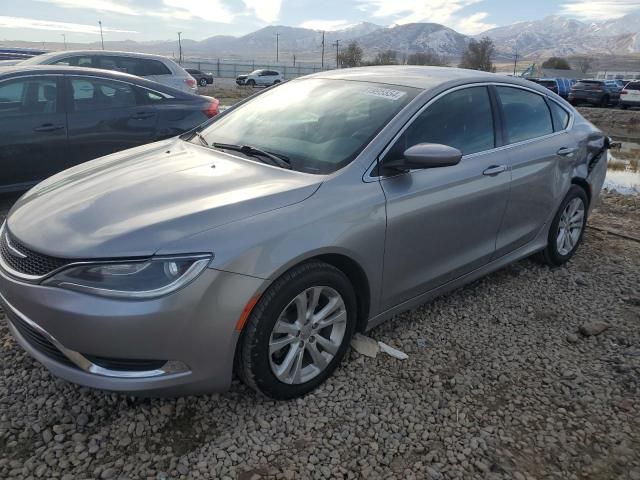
{"x": 261, "y": 78}
{"x": 630, "y": 95}
{"x": 152, "y": 67}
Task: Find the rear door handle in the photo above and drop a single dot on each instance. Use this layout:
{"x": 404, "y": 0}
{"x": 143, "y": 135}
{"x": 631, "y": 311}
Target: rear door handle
{"x": 566, "y": 152}
{"x": 495, "y": 170}
{"x": 48, "y": 128}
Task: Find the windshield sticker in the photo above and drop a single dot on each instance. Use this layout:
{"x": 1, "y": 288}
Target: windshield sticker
{"x": 388, "y": 93}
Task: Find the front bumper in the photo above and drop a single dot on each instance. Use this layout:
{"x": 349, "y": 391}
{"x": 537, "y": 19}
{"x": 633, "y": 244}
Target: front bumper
{"x": 187, "y": 339}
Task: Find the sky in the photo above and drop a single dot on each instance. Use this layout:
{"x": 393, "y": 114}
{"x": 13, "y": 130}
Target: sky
{"x": 145, "y": 20}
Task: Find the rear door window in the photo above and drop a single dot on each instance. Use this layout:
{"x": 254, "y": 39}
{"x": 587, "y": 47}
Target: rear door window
{"x": 462, "y": 119}
{"x": 155, "y": 67}
{"x": 91, "y": 94}
{"x": 526, "y": 115}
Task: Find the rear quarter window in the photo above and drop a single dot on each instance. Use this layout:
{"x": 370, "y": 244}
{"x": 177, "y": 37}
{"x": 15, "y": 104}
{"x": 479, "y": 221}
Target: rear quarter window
{"x": 560, "y": 116}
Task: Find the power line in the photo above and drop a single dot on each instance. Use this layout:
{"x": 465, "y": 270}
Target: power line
{"x": 101, "y": 37}
{"x": 322, "y": 64}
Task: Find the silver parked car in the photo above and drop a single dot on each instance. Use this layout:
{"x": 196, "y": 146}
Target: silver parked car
{"x": 264, "y": 239}
{"x": 152, "y": 67}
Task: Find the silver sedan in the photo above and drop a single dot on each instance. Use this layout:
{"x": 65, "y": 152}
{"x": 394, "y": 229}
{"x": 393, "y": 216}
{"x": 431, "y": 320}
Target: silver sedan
{"x": 263, "y": 240}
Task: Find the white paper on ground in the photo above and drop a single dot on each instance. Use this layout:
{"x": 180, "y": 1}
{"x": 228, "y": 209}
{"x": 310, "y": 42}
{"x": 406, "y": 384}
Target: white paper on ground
{"x": 395, "y": 353}
{"x": 365, "y": 345}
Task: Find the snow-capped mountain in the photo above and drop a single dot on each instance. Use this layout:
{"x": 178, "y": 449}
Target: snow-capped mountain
{"x": 557, "y": 35}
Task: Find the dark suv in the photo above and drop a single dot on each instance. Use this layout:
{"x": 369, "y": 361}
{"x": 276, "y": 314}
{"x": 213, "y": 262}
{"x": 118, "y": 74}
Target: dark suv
{"x": 601, "y": 93}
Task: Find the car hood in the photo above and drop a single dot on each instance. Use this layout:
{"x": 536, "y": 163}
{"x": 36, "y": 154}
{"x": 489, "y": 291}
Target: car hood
{"x": 131, "y": 203}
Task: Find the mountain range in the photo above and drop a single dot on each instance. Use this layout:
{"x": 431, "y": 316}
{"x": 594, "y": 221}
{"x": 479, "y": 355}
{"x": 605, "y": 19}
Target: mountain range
{"x": 554, "y": 35}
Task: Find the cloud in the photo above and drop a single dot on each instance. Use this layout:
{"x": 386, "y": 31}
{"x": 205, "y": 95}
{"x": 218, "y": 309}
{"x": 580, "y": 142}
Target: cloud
{"x": 599, "y": 9}
{"x": 211, "y": 10}
{"x": 111, "y": 6}
{"x": 266, "y": 10}
{"x": 473, "y": 24}
{"x": 31, "y": 23}
{"x": 326, "y": 24}
{"x": 409, "y": 11}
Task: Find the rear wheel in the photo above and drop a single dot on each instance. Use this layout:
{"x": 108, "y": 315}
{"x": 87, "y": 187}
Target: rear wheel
{"x": 276, "y": 82}
{"x": 298, "y": 332}
{"x": 203, "y": 82}
{"x": 604, "y": 102}
{"x": 623, "y": 107}
{"x": 567, "y": 229}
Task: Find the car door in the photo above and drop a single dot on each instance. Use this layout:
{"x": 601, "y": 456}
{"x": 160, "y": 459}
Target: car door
{"x": 106, "y": 116}
{"x": 33, "y": 130}
{"x": 443, "y": 222}
{"x": 539, "y": 159}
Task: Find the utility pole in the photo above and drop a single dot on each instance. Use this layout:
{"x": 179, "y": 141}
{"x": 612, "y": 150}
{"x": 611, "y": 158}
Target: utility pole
{"x": 277, "y": 47}
{"x": 322, "y": 64}
{"x": 515, "y": 62}
{"x": 101, "y": 37}
{"x": 64, "y": 38}
{"x": 294, "y": 59}
{"x": 337, "y": 45}
{"x": 180, "y": 48}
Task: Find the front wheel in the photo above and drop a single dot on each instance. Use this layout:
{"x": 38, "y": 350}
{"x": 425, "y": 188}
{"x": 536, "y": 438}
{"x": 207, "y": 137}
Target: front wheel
{"x": 298, "y": 332}
{"x": 567, "y": 229}
{"x": 251, "y": 83}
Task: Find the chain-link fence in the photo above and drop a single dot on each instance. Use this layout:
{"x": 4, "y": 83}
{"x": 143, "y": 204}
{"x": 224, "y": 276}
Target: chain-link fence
{"x": 226, "y": 69}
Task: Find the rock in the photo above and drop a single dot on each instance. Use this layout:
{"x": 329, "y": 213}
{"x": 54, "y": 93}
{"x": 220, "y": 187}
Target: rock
{"x": 82, "y": 419}
{"x": 108, "y": 473}
{"x": 592, "y": 328}
{"x": 572, "y": 338}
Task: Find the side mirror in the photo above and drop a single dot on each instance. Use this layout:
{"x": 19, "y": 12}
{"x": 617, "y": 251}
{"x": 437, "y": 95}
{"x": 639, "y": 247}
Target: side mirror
{"x": 425, "y": 155}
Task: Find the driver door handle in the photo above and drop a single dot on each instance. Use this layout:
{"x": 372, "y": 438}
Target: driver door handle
{"x": 566, "y": 152}
{"x": 495, "y": 170}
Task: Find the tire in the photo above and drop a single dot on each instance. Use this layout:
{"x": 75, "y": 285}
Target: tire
{"x": 276, "y": 82}
{"x": 258, "y": 368}
{"x": 553, "y": 254}
{"x": 251, "y": 83}
{"x": 623, "y": 107}
{"x": 604, "y": 103}
{"x": 202, "y": 82}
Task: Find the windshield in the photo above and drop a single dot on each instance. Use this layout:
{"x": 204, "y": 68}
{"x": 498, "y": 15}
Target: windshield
{"x": 319, "y": 125}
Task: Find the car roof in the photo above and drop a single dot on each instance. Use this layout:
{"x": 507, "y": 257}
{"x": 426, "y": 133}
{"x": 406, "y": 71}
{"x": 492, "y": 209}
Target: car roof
{"x": 424, "y": 78}
{"x": 65, "y": 53}
{"x": 16, "y": 70}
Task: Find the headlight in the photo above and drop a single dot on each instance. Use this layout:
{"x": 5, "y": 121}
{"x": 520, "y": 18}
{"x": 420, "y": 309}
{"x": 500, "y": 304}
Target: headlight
{"x": 143, "y": 279}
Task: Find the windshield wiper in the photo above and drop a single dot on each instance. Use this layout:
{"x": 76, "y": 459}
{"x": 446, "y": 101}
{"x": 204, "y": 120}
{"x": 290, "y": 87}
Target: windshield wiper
{"x": 277, "y": 160}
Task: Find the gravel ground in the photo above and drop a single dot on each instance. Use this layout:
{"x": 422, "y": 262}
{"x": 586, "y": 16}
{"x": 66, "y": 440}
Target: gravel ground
{"x": 500, "y": 383}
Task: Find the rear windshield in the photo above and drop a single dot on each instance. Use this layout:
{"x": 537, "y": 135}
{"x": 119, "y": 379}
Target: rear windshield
{"x": 633, "y": 86}
{"x": 589, "y": 83}
{"x": 548, "y": 83}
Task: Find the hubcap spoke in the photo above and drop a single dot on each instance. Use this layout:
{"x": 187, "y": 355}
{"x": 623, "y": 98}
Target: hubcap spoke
{"x": 333, "y": 304}
{"x": 280, "y": 343}
{"x": 301, "y": 307}
{"x": 285, "y": 369}
{"x": 286, "y": 327}
{"x": 317, "y": 357}
{"x": 338, "y": 317}
{"x": 327, "y": 345}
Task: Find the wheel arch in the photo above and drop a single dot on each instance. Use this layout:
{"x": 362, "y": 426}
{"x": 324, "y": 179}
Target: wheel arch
{"x": 582, "y": 183}
{"x": 347, "y": 265}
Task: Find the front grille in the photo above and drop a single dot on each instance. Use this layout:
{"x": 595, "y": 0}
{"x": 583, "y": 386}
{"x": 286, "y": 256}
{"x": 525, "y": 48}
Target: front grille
{"x": 34, "y": 263}
{"x": 126, "y": 365}
{"x": 35, "y": 338}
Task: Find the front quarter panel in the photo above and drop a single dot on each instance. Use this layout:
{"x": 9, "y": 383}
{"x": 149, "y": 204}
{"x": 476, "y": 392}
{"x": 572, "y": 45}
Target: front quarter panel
{"x": 343, "y": 217}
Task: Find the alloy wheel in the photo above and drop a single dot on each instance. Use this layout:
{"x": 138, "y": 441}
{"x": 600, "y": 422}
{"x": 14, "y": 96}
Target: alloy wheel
{"x": 307, "y": 335}
{"x": 570, "y": 226}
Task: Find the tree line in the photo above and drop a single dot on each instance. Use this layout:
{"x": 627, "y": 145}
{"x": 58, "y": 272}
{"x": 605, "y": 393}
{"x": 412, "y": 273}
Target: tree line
{"x": 477, "y": 56}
